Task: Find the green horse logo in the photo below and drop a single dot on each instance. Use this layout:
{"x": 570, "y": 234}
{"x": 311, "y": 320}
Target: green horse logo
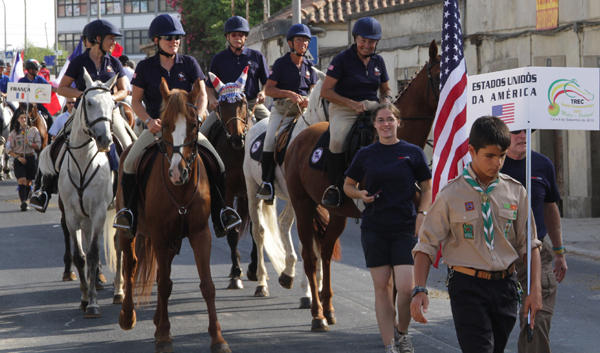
{"x": 569, "y": 88}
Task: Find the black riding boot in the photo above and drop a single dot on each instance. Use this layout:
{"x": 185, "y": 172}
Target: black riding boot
{"x": 40, "y": 199}
{"x": 267, "y": 188}
{"x": 222, "y": 221}
{"x": 126, "y": 219}
{"x": 335, "y": 168}
{"x": 23, "y": 190}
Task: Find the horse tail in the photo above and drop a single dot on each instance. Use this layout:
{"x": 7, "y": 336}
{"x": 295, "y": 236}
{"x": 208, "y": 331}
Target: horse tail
{"x": 320, "y": 224}
{"x": 110, "y": 253}
{"x": 272, "y": 241}
{"x": 242, "y": 209}
{"x": 45, "y": 164}
{"x": 145, "y": 275}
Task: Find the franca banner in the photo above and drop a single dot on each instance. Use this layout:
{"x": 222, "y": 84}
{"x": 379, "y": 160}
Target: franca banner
{"x": 29, "y": 92}
{"x": 538, "y": 98}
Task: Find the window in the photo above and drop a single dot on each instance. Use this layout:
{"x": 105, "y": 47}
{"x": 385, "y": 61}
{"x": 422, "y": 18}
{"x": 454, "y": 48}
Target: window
{"x": 71, "y": 8}
{"x": 68, "y": 42}
{"x": 107, "y": 7}
{"x": 163, "y": 6}
{"x": 133, "y": 39}
{"x": 139, "y": 6}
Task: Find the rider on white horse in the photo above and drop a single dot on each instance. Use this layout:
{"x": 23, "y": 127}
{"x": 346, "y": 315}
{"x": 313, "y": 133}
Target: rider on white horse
{"x": 180, "y": 71}
{"x": 101, "y": 66}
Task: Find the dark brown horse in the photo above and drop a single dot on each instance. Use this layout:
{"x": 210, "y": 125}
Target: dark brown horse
{"x": 306, "y": 185}
{"x": 176, "y": 205}
{"x": 235, "y": 120}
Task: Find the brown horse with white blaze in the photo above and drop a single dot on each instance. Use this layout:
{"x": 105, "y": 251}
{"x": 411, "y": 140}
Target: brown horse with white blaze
{"x": 306, "y": 185}
{"x": 176, "y": 205}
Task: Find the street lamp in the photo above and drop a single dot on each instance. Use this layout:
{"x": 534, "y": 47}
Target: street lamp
{"x": 4, "y": 26}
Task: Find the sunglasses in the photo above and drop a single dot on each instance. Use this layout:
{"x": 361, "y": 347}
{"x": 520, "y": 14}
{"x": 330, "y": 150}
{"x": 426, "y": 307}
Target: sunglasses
{"x": 516, "y": 132}
{"x": 70, "y": 102}
{"x": 170, "y": 38}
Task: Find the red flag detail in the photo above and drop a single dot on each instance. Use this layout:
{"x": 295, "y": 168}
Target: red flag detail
{"x": 54, "y": 105}
{"x": 118, "y": 51}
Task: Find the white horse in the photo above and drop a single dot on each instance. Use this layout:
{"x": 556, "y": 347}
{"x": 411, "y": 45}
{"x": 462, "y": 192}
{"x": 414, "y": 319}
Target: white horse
{"x": 270, "y": 233}
{"x": 5, "y": 119}
{"x": 85, "y": 188}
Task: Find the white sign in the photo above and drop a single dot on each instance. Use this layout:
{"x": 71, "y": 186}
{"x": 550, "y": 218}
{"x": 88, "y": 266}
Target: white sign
{"x": 58, "y": 52}
{"x": 551, "y": 98}
{"x": 29, "y": 92}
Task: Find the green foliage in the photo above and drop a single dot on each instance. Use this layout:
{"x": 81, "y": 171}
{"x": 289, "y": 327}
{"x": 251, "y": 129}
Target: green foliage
{"x": 37, "y": 53}
{"x": 203, "y": 21}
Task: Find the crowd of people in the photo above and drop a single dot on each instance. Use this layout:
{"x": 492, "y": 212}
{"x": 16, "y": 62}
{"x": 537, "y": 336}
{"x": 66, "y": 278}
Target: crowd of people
{"x": 478, "y": 220}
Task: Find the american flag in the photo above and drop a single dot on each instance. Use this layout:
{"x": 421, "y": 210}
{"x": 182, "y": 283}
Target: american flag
{"x": 450, "y": 134}
{"x": 506, "y": 112}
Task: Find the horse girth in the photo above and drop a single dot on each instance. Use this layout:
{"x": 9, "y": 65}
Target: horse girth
{"x": 82, "y": 184}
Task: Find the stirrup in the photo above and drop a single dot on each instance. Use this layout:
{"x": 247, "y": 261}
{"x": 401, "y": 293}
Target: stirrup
{"x": 119, "y": 216}
{"x": 235, "y": 214}
{"x": 325, "y": 200}
{"x": 37, "y": 195}
{"x": 264, "y": 186}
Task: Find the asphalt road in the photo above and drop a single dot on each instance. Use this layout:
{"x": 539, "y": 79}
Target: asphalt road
{"x": 39, "y": 312}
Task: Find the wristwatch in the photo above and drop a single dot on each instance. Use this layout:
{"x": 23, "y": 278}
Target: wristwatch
{"x": 418, "y": 289}
{"x": 423, "y": 212}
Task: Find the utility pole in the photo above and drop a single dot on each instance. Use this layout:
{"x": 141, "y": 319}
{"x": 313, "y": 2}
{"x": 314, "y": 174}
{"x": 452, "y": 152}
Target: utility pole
{"x": 296, "y": 18}
{"x": 248, "y": 10}
{"x": 24, "y": 44}
{"x": 46, "y": 29}
{"x": 232, "y": 8}
{"x": 4, "y": 26}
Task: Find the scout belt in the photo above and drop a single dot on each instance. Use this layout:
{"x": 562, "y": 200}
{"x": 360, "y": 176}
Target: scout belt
{"x": 489, "y": 275}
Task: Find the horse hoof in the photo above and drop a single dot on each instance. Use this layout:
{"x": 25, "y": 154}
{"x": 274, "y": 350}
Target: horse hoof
{"x": 127, "y": 324}
{"x": 92, "y": 312}
{"x": 319, "y": 325}
{"x": 101, "y": 278}
{"x": 233, "y": 273}
{"x": 118, "y": 299}
{"x": 83, "y": 305}
{"x": 305, "y": 303}
{"x": 220, "y": 348}
{"x": 69, "y": 276}
{"x": 157, "y": 334}
{"x": 163, "y": 347}
{"x": 235, "y": 283}
{"x": 251, "y": 276}
{"x": 286, "y": 281}
{"x": 330, "y": 316}
{"x": 261, "y": 291}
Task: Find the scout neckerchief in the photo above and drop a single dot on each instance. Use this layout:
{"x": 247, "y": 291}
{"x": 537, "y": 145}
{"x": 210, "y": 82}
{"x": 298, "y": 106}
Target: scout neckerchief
{"x": 486, "y": 210}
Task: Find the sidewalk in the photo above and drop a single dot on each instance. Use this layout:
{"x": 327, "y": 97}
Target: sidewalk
{"x": 582, "y": 236}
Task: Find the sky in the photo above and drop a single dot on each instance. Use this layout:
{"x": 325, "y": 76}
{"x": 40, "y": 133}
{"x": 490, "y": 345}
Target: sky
{"x": 40, "y": 18}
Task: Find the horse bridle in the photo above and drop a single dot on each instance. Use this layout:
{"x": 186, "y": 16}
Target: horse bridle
{"x": 89, "y": 125}
{"x": 178, "y": 148}
{"x": 431, "y": 82}
{"x": 246, "y": 121}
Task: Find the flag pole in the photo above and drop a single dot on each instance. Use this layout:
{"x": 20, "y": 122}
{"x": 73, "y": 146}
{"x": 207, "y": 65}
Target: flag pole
{"x": 528, "y": 182}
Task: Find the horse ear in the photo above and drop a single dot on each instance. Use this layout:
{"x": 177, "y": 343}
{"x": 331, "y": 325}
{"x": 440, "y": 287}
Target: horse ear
{"x": 88, "y": 79}
{"x": 110, "y": 83}
{"x": 433, "y": 51}
{"x": 164, "y": 88}
{"x": 196, "y": 91}
{"x": 217, "y": 84}
{"x": 320, "y": 74}
{"x": 241, "y": 81}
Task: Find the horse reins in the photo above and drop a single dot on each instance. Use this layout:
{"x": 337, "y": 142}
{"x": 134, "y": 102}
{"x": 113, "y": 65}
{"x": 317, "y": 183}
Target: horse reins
{"x": 177, "y": 149}
{"x": 245, "y": 121}
{"x": 430, "y": 83}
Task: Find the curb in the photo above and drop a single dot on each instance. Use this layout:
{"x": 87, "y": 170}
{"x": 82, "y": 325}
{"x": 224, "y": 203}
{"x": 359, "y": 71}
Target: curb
{"x": 595, "y": 254}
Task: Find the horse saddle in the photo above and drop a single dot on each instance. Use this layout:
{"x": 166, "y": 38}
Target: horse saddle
{"x": 283, "y": 141}
{"x": 360, "y": 135}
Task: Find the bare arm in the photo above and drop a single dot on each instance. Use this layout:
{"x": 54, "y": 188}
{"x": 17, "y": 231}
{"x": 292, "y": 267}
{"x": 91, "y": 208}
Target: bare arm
{"x": 271, "y": 90}
{"x": 425, "y": 203}
{"x": 137, "y": 95}
{"x": 552, "y": 221}
{"x": 65, "y": 89}
{"x": 121, "y": 89}
{"x": 329, "y": 94}
{"x": 534, "y": 300}
{"x": 351, "y": 189}
{"x": 202, "y": 101}
{"x": 384, "y": 91}
{"x": 421, "y": 300}
{"x": 212, "y": 98}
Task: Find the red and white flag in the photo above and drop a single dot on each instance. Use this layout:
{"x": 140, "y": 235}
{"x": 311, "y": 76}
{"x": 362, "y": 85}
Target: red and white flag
{"x": 450, "y": 134}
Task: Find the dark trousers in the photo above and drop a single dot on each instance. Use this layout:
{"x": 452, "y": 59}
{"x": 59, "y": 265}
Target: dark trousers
{"x": 484, "y": 312}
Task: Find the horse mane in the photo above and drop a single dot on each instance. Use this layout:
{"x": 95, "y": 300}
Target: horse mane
{"x": 174, "y": 104}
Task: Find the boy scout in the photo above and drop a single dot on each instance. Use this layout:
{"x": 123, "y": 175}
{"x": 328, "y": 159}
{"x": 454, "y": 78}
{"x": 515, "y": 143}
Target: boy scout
{"x": 479, "y": 219}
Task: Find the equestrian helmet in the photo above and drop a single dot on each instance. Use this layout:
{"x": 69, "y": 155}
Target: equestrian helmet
{"x": 101, "y": 28}
{"x": 165, "y": 25}
{"x": 236, "y": 24}
{"x": 32, "y": 64}
{"x": 84, "y": 35}
{"x": 2, "y": 63}
{"x": 367, "y": 27}
{"x": 298, "y": 30}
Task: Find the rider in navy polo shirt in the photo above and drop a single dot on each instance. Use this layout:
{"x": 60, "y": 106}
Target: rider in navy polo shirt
{"x": 180, "y": 71}
{"x": 228, "y": 66}
{"x": 291, "y": 79}
{"x": 353, "y": 80}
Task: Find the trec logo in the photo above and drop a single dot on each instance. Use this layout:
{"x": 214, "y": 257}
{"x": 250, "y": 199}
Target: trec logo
{"x": 570, "y": 98}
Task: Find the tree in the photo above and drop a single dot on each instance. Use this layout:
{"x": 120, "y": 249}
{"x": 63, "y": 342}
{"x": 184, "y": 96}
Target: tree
{"x": 203, "y": 21}
{"x": 38, "y": 53}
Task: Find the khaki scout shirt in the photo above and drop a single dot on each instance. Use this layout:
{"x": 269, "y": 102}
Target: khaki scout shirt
{"x": 455, "y": 221}
{"x": 17, "y": 141}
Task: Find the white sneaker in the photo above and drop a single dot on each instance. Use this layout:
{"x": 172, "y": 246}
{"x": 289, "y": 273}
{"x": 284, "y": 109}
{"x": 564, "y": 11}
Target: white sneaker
{"x": 404, "y": 343}
{"x": 391, "y": 348}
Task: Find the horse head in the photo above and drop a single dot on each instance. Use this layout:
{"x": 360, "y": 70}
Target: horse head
{"x": 180, "y": 126}
{"x": 418, "y": 101}
{"x": 233, "y": 108}
{"x": 96, "y": 107}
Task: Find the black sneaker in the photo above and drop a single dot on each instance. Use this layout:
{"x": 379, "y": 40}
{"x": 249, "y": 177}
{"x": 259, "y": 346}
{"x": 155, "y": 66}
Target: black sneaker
{"x": 24, "y": 206}
{"x": 331, "y": 197}
{"x": 39, "y": 201}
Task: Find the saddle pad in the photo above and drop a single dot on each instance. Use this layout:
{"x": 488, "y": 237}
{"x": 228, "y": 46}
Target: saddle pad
{"x": 283, "y": 141}
{"x": 257, "y": 147}
{"x": 210, "y": 163}
{"x": 143, "y": 164}
{"x": 318, "y": 157}
{"x": 215, "y": 132}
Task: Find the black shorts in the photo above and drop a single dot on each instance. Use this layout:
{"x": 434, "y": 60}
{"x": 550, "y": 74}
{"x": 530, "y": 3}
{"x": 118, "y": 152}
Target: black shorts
{"x": 383, "y": 248}
{"x": 26, "y": 170}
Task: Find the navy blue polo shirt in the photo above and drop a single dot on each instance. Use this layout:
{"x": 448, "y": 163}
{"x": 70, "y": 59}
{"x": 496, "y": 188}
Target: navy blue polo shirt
{"x": 393, "y": 170}
{"x": 543, "y": 184}
{"x": 36, "y": 79}
{"x": 288, "y": 78}
{"x": 228, "y": 67}
{"x": 109, "y": 67}
{"x": 355, "y": 80}
{"x": 4, "y": 80}
{"x": 148, "y": 74}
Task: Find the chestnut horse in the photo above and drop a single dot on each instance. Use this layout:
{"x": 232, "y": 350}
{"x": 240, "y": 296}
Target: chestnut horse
{"x": 176, "y": 205}
{"x": 235, "y": 119}
{"x": 306, "y": 185}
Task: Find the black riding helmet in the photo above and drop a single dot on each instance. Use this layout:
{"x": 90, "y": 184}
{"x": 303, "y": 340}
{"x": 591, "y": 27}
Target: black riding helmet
{"x": 32, "y": 64}
{"x": 2, "y": 63}
{"x": 236, "y": 24}
{"x": 101, "y": 28}
{"x": 84, "y": 35}
{"x": 165, "y": 25}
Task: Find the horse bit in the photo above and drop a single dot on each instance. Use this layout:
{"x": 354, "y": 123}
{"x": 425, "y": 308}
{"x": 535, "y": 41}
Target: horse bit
{"x": 245, "y": 121}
